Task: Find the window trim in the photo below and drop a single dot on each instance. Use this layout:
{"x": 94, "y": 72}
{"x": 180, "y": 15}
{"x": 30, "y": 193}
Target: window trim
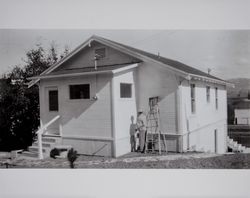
{"x": 77, "y": 99}
{"x": 131, "y": 90}
{"x": 193, "y": 99}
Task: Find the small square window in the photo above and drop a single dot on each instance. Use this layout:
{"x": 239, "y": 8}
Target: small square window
{"x": 125, "y": 90}
{"x": 79, "y": 91}
{"x": 100, "y": 53}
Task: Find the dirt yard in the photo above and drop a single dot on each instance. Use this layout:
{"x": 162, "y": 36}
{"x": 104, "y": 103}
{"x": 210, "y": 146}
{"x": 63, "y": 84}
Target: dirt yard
{"x": 141, "y": 161}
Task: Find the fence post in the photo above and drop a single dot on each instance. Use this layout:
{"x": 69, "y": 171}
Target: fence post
{"x": 40, "y": 145}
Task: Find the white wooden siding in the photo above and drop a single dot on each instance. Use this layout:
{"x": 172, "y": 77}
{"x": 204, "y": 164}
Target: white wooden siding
{"x": 80, "y": 116}
{"x": 242, "y": 115}
{"x": 85, "y": 58}
{"x": 201, "y": 125}
{"x": 154, "y": 80}
{"x": 125, "y": 108}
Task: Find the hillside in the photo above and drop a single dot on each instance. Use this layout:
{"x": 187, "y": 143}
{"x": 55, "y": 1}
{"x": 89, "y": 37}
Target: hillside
{"x": 241, "y": 90}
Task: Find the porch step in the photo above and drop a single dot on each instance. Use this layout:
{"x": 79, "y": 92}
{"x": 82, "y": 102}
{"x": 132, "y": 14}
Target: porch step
{"x": 236, "y": 147}
{"x": 30, "y": 154}
{"x": 51, "y": 139}
{"x": 47, "y": 144}
{"x": 34, "y": 149}
{"x": 48, "y": 139}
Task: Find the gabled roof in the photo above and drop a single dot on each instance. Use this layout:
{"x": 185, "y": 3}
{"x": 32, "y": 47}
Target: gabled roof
{"x": 178, "y": 67}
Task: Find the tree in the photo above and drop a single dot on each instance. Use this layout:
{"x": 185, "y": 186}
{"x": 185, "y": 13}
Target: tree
{"x": 19, "y": 105}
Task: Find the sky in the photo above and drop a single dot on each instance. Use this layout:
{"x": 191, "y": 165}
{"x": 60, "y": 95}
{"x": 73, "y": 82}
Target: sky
{"x": 225, "y": 52}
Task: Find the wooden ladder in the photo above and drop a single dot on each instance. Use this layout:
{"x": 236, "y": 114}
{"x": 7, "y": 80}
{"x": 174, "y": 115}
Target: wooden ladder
{"x": 154, "y": 136}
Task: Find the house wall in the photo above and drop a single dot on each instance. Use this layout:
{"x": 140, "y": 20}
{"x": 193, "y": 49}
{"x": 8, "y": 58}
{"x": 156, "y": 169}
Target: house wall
{"x": 199, "y": 127}
{"x": 242, "y": 115}
{"x": 79, "y": 117}
{"x": 153, "y": 80}
{"x": 125, "y": 109}
{"x": 85, "y": 58}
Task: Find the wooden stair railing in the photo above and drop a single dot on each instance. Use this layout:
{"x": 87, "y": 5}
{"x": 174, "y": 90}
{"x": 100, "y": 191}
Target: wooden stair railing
{"x": 40, "y": 132}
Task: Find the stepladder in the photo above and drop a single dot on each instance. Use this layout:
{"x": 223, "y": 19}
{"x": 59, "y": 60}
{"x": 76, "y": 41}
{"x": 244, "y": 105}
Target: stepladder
{"x": 155, "y": 139}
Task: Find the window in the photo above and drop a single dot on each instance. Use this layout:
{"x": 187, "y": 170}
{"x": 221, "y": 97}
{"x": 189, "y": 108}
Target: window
{"x": 216, "y": 97}
{"x": 208, "y": 94}
{"x": 79, "y": 91}
{"x": 125, "y": 90}
{"x": 100, "y": 53}
{"x": 192, "y": 98}
{"x": 53, "y": 100}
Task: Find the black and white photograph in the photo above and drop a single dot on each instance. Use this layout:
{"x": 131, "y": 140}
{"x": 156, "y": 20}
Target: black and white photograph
{"x": 124, "y": 99}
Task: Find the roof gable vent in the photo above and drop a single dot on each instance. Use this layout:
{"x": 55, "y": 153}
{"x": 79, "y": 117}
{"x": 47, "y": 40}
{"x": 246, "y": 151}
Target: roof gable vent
{"x": 100, "y": 53}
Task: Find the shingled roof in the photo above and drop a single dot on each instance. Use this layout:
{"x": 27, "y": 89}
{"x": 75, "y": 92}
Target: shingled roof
{"x": 173, "y": 63}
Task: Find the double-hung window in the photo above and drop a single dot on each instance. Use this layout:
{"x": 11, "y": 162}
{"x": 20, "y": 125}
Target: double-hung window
{"x": 53, "y": 100}
{"x": 192, "y": 86}
{"x": 216, "y": 97}
{"x": 208, "y": 94}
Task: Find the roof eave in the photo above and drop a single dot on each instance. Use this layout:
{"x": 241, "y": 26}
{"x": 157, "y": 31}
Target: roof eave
{"x": 36, "y": 79}
{"x": 69, "y": 75}
{"x": 208, "y": 79}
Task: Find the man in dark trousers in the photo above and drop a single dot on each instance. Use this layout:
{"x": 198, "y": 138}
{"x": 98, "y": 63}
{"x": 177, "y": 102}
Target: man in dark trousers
{"x": 142, "y": 128}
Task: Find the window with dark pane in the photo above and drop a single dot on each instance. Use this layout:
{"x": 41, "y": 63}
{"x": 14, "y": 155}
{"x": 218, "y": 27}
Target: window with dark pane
{"x": 193, "y": 98}
{"x": 216, "y": 98}
{"x": 208, "y": 93}
{"x": 125, "y": 90}
{"x": 79, "y": 91}
{"x": 53, "y": 100}
{"x": 100, "y": 53}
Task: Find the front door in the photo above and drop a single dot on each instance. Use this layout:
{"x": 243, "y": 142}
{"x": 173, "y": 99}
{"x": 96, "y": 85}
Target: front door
{"x": 215, "y": 141}
{"x": 52, "y": 110}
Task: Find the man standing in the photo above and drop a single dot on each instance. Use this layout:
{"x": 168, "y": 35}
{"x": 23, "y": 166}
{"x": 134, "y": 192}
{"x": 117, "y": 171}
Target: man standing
{"x": 133, "y": 129}
{"x": 142, "y": 127}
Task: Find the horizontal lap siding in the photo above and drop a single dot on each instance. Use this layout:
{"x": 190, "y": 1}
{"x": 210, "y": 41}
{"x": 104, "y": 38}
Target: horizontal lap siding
{"x": 206, "y": 119}
{"x": 125, "y": 108}
{"x": 86, "y": 117}
{"x": 204, "y": 139}
{"x": 90, "y": 117}
{"x": 155, "y": 81}
{"x": 90, "y": 147}
{"x": 168, "y": 113}
{"x": 85, "y": 58}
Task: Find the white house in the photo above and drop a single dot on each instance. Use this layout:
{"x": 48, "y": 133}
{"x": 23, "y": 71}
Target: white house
{"x": 242, "y": 111}
{"x": 98, "y": 87}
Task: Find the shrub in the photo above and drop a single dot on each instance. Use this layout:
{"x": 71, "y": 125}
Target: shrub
{"x": 54, "y": 152}
{"x": 72, "y": 156}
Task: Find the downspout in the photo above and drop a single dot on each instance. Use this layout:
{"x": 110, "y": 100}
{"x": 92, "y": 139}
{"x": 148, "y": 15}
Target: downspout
{"x": 113, "y": 116}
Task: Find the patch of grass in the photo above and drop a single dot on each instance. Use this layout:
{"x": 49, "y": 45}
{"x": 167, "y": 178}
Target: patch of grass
{"x": 184, "y": 161}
